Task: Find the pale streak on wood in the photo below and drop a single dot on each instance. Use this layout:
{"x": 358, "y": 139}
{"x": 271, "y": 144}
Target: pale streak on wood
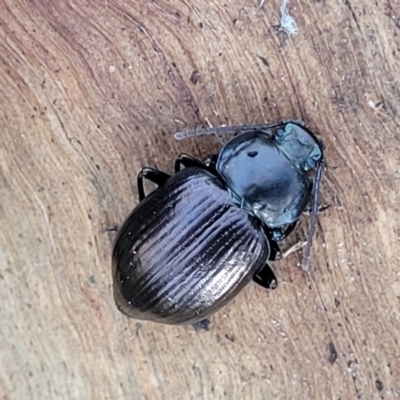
{"x": 91, "y": 92}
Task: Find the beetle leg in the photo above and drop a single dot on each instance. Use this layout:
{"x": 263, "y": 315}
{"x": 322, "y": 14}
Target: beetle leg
{"x": 266, "y": 278}
{"x": 211, "y": 161}
{"x": 321, "y": 209}
{"x": 288, "y": 230}
{"x": 153, "y": 175}
{"x": 278, "y": 234}
{"x": 275, "y": 252}
{"x": 186, "y": 161}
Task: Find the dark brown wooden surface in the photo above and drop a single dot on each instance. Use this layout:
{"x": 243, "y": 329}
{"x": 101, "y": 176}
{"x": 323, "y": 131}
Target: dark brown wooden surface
{"x": 91, "y": 91}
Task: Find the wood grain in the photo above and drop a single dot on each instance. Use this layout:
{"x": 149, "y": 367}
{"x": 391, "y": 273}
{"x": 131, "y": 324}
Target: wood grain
{"x": 91, "y": 91}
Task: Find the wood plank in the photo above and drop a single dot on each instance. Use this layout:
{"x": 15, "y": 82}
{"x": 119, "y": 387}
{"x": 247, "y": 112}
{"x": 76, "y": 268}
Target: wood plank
{"x": 91, "y": 91}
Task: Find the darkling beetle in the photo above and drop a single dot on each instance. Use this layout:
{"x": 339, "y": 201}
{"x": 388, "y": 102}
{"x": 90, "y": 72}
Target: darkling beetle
{"x": 194, "y": 242}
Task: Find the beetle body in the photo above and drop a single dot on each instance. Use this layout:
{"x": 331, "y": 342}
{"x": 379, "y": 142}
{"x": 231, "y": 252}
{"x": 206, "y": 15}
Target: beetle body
{"x": 193, "y": 243}
{"x": 185, "y": 251}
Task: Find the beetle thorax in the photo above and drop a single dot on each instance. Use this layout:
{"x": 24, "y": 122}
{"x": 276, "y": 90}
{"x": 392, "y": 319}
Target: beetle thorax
{"x": 263, "y": 180}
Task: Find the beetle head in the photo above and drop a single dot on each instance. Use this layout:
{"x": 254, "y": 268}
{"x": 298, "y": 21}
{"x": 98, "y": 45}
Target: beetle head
{"x": 299, "y": 146}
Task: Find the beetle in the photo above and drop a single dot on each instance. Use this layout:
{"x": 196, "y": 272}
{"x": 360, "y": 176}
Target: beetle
{"x": 205, "y": 232}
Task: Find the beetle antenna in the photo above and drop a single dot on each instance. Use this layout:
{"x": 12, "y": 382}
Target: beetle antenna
{"x": 314, "y": 214}
{"x": 226, "y": 129}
